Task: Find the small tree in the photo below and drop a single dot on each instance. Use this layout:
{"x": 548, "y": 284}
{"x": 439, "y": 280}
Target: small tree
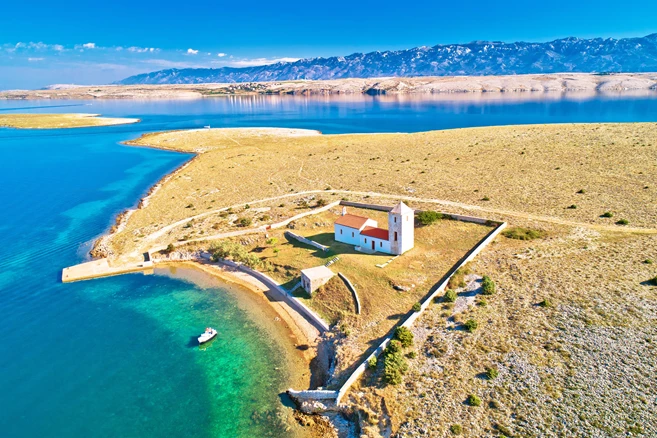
{"x": 371, "y": 362}
{"x": 321, "y": 202}
{"x": 487, "y": 286}
{"x": 450, "y": 296}
{"x": 429, "y": 217}
{"x": 417, "y": 307}
{"x": 244, "y": 221}
{"x": 405, "y": 336}
{"x": 393, "y": 347}
{"x": 394, "y": 368}
{"x": 170, "y": 248}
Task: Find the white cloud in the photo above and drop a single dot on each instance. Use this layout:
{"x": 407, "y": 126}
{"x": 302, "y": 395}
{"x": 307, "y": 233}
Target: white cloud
{"x": 221, "y": 55}
{"x": 135, "y": 49}
{"x": 192, "y": 52}
{"x": 89, "y": 45}
{"x": 35, "y": 59}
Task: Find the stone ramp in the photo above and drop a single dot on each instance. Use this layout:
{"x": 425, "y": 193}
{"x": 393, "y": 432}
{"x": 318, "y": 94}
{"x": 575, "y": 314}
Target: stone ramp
{"x": 100, "y": 268}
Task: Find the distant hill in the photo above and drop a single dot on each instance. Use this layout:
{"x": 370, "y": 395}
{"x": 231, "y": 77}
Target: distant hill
{"x": 596, "y": 55}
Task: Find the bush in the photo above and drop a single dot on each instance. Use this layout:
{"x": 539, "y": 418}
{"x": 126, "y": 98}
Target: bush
{"x": 522, "y": 233}
{"x": 371, "y": 362}
{"x": 487, "y": 286}
{"x": 417, "y": 307}
{"x": 492, "y": 373}
{"x": 607, "y": 214}
{"x": 272, "y": 241}
{"x": 456, "y": 429}
{"x": 648, "y": 261}
{"x": 405, "y": 336}
{"x": 581, "y": 191}
{"x": 450, "y": 296}
{"x": 474, "y": 400}
{"x": 190, "y": 206}
{"x": 244, "y": 221}
{"x": 653, "y": 281}
{"x": 411, "y": 355}
{"x": 321, "y": 202}
{"x": 471, "y": 325}
{"x": 170, "y": 248}
{"x": 485, "y": 198}
{"x": 429, "y": 217}
{"x": 394, "y": 346}
{"x": 545, "y": 303}
{"x": 622, "y": 222}
{"x": 394, "y": 368}
{"x": 572, "y": 207}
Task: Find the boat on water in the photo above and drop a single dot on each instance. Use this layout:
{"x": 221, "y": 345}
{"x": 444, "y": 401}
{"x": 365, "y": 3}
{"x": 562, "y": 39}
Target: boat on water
{"x": 208, "y": 335}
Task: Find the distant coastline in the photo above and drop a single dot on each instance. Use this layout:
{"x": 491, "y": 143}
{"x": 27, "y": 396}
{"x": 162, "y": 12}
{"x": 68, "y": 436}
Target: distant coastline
{"x": 585, "y": 84}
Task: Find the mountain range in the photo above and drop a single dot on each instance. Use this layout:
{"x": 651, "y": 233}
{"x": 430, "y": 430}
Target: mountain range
{"x": 595, "y": 55}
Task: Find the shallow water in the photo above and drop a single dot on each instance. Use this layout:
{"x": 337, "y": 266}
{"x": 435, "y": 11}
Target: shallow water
{"x": 115, "y": 357}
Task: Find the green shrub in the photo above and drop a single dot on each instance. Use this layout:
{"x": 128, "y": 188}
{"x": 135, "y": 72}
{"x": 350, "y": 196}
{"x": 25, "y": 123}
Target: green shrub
{"x": 170, "y": 248}
{"x": 371, "y": 362}
{"x": 572, "y": 207}
{"x": 450, "y": 296}
{"x": 471, "y": 325}
{"x": 581, "y": 191}
{"x": 417, "y": 307}
{"x": 482, "y": 302}
{"x": 405, "y": 336}
{"x": 247, "y": 206}
{"x": 492, "y": 373}
{"x": 653, "y": 281}
{"x": 394, "y": 368}
{"x": 648, "y": 261}
{"x": 622, "y": 222}
{"x": 394, "y": 346}
{"x": 456, "y": 429}
{"x": 411, "y": 355}
{"x": 545, "y": 303}
{"x": 244, "y": 221}
{"x": 607, "y": 214}
{"x": 474, "y": 400}
{"x": 520, "y": 233}
{"x": 190, "y": 206}
{"x": 321, "y": 202}
{"x": 485, "y": 198}
{"x": 487, "y": 286}
{"x": 429, "y": 217}
{"x": 272, "y": 241}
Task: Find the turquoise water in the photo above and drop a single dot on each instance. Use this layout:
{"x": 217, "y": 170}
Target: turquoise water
{"x": 115, "y": 357}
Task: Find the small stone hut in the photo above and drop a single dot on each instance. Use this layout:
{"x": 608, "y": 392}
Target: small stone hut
{"x": 313, "y": 278}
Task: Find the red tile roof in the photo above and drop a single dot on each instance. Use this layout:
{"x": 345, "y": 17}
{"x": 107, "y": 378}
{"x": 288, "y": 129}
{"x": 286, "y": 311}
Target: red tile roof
{"x": 377, "y": 233}
{"x": 352, "y": 221}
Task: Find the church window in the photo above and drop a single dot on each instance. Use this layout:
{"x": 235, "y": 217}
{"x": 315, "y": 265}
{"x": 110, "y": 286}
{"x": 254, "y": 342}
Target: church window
{"x": 395, "y": 236}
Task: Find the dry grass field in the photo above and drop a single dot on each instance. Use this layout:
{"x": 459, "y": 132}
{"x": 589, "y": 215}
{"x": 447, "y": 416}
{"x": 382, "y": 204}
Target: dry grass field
{"x": 582, "y": 364}
{"x": 54, "y": 121}
{"x": 535, "y": 170}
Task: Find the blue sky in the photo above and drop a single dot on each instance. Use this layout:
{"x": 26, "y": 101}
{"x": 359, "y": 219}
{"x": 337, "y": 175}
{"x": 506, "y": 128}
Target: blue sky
{"x": 47, "y": 42}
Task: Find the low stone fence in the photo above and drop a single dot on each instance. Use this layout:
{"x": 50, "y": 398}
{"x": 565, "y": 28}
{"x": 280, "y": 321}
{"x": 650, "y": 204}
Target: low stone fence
{"x": 408, "y": 322}
{"x": 306, "y": 241}
{"x": 353, "y": 291}
{"x": 458, "y": 217}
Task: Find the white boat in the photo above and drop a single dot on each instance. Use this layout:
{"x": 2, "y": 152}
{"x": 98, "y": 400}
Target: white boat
{"x": 209, "y": 334}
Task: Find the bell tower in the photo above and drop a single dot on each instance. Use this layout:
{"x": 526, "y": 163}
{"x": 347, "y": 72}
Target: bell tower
{"x": 401, "y": 228}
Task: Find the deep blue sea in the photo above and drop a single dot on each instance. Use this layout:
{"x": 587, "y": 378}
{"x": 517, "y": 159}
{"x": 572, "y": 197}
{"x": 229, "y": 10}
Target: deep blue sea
{"x": 114, "y": 357}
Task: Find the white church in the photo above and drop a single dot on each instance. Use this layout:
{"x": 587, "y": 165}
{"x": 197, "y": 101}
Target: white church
{"x": 365, "y": 234}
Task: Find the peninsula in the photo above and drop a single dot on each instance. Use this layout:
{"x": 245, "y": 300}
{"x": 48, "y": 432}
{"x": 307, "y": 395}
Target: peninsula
{"x": 56, "y": 121}
{"x": 566, "y": 289}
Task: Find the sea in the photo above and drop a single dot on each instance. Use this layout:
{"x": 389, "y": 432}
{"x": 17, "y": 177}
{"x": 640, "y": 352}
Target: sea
{"x": 116, "y": 357}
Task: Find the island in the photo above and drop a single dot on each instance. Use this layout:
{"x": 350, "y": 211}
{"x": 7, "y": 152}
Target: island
{"x": 57, "y": 121}
{"x": 526, "y": 267}
{"x": 523, "y": 86}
